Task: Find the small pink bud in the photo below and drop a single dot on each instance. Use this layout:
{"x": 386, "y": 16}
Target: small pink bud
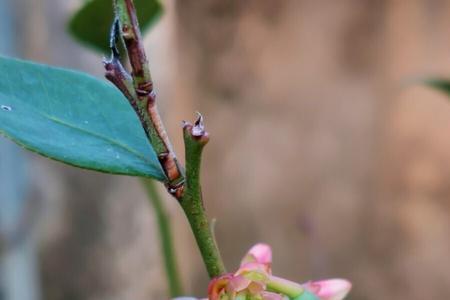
{"x": 331, "y": 289}
{"x": 262, "y": 253}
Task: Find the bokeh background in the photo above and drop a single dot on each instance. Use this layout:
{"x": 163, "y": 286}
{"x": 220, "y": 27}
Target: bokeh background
{"x": 324, "y": 144}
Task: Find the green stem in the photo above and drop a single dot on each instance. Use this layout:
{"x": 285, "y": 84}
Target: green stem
{"x": 195, "y": 138}
{"x": 165, "y": 235}
{"x": 138, "y": 88}
{"x": 143, "y": 98}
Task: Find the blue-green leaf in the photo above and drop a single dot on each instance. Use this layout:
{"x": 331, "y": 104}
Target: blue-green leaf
{"x": 73, "y": 118}
{"x": 91, "y": 24}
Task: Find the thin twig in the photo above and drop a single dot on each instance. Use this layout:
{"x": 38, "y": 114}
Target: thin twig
{"x": 165, "y": 236}
{"x": 138, "y": 89}
{"x": 144, "y": 96}
{"x": 195, "y": 139}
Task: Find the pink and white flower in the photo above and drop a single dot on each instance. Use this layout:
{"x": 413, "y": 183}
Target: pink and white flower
{"x": 254, "y": 281}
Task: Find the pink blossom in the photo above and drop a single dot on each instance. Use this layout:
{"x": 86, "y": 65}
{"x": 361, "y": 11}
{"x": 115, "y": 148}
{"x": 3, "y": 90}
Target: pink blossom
{"x": 254, "y": 280}
{"x": 331, "y": 289}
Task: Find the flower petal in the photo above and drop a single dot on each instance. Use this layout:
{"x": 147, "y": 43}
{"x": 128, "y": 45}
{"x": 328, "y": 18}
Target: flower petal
{"x": 331, "y": 289}
{"x": 218, "y": 285}
{"x": 271, "y": 296}
{"x": 238, "y": 283}
{"x": 260, "y": 253}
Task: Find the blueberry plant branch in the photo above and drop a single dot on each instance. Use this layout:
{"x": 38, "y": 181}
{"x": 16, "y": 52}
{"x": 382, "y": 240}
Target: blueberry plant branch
{"x": 195, "y": 139}
{"x": 124, "y": 82}
{"x": 138, "y": 89}
{"x": 143, "y": 99}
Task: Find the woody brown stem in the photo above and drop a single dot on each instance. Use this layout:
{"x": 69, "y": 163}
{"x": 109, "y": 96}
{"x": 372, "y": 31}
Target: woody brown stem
{"x": 143, "y": 98}
{"x": 121, "y": 79}
{"x": 138, "y": 88}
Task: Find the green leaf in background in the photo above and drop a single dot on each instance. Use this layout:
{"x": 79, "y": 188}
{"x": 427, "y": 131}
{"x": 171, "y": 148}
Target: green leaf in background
{"x": 73, "y": 118}
{"x": 92, "y": 23}
{"x": 442, "y": 85}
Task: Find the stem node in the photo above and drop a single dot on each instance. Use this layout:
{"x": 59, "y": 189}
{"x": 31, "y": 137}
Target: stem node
{"x": 138, "y": 89}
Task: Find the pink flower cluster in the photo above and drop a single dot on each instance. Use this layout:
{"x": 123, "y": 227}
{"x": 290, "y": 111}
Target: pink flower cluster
{"x": 254, "y": 281}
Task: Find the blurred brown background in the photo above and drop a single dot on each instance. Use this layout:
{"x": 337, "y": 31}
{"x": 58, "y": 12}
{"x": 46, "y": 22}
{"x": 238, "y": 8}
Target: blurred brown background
{"x": 323, "y": 145}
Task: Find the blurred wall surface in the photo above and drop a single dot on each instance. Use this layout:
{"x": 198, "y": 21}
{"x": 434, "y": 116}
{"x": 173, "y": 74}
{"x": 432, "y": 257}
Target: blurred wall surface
{"x": 19, "y": 275}
{"x": 324, "y": 144}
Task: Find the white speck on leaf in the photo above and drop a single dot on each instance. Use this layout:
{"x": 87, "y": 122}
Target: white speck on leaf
{"x": 6, "y": 108}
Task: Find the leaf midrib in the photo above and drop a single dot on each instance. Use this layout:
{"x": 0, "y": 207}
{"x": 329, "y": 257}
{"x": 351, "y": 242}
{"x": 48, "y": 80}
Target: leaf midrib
{"x": 111, "y": 141}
